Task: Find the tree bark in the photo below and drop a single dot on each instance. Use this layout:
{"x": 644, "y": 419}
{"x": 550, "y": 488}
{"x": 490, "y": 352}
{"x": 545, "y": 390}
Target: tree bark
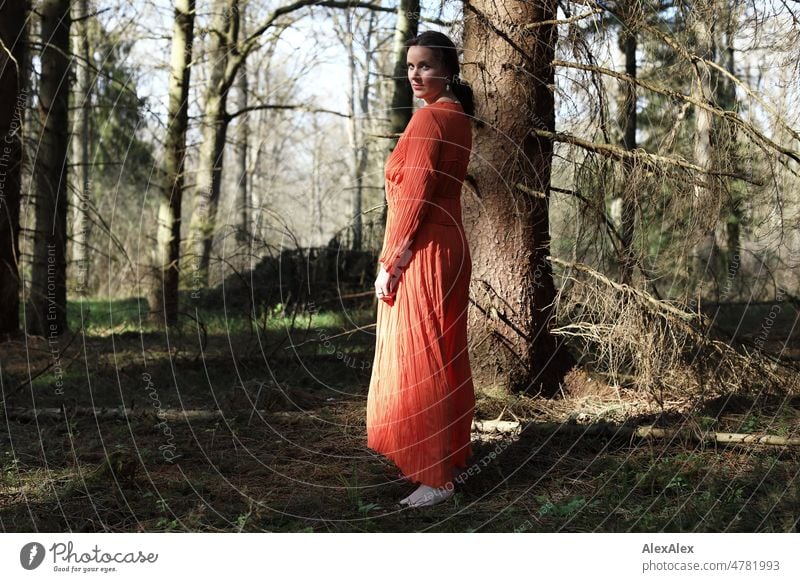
{"x": 80, "y": 149}
{"x": 506, "y": 209}
{"x": 356, "y": 143}
{"x": 13, "y": 87}
{"x": 224, "y": 66}
{"x": 164, "y": 291}
{"x": 729, "y": 239}
{"x": 242, "y": 139}
{"x": 628, "y": 203}
{"x": 47, "y": 306}
{"x": 406, "y": 27}
{"x": 705, "y": 207}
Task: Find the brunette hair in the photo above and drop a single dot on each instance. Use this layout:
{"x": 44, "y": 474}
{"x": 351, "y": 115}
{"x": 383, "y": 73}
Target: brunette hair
{"x": 448, "y": 56}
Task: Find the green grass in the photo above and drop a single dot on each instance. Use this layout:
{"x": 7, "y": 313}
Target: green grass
{"x": 100, "y": 316}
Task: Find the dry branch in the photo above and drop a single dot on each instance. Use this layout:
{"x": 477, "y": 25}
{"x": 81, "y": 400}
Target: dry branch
{"x": 694, "y": 58}
{"x": 660, "y": 347}
{"x": 569, "y": 20}
{"x": 647, "y": 432}
{"x": 647, "y": 159}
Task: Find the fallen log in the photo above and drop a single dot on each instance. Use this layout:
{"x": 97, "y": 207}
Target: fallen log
{"x": 632, "y": 432}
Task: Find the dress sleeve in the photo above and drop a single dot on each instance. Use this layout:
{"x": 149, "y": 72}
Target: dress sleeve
{"x": 419, "y": 171}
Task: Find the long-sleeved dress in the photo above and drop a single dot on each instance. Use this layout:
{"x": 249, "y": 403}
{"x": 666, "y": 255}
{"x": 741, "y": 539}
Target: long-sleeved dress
{"x": 421, "y": 397}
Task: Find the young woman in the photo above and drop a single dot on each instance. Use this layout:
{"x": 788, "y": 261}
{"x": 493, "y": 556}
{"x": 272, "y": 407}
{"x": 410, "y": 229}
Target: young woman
{"x": 421, "y": 398}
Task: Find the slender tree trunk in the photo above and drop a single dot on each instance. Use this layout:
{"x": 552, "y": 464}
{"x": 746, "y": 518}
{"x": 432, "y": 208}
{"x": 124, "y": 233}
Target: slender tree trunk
{"x": 362, "y": 157}
{"x": 13, "y": 87}
{"x": 507, "y": 214}
{"x": 47, "y": 307}
{"x": 705, "y": 205}
{"x": 209, "y": 179}
{"x": 406, "y": 27}
{"x": 81, "y": 148}
{"x": 729, "y": 238}
{"x": 242, "y": 139}
{"x": 317, "y": 190}
{"x": 164, "y": 292}
{"x": 356, "y": 143}
{"x": 628, "y": 206}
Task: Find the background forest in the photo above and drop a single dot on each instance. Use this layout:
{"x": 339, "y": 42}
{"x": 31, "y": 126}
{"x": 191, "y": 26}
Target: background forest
{"x": 191, "y": 209}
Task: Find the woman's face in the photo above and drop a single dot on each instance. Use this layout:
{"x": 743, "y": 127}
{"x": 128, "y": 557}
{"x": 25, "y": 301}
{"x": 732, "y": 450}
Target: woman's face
{"x": 426, "y": 74}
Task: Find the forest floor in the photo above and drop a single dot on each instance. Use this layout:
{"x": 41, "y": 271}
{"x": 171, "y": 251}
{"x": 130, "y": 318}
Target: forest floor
{"x": 279, "y": 442}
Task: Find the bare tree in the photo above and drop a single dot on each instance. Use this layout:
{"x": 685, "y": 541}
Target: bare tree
{"x": 164, "y": 289}
{"x": 358, "y": 106}
{"x": 242, "y": 139}
{"x": 228, "y": 52}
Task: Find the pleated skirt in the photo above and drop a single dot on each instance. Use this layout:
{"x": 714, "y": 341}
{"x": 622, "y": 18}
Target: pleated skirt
{"x": 421, "y": 398}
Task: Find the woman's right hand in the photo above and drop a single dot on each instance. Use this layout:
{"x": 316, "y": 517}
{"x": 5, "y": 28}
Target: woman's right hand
{"x": 386, "y": 283}
{"x": 384, "y": 287}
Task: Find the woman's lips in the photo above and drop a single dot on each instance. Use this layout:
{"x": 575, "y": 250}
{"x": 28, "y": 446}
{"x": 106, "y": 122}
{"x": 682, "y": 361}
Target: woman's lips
{"x": 417, "y": 86}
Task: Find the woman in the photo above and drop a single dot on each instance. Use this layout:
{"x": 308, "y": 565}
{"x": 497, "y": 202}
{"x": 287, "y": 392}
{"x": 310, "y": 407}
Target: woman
{"x": 421, "y": 397}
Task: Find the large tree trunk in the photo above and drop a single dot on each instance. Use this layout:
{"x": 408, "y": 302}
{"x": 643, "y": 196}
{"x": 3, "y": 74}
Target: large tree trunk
{"x": 224, "y": 66}
{"x": 80, "y": 149}
{"x": 13, "y": 87}
{"x": 507, "y": 214}
{"x": 164, "y": 292}
{"x": 47, "y": 307}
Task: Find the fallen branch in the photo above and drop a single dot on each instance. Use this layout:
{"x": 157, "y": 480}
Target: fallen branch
{"x": 631, "y": 432}
{"x": 662, "y": 347}
{"x": 483, "y": 426}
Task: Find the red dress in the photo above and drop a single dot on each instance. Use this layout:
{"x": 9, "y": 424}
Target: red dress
{"x": 421, "y": 398}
